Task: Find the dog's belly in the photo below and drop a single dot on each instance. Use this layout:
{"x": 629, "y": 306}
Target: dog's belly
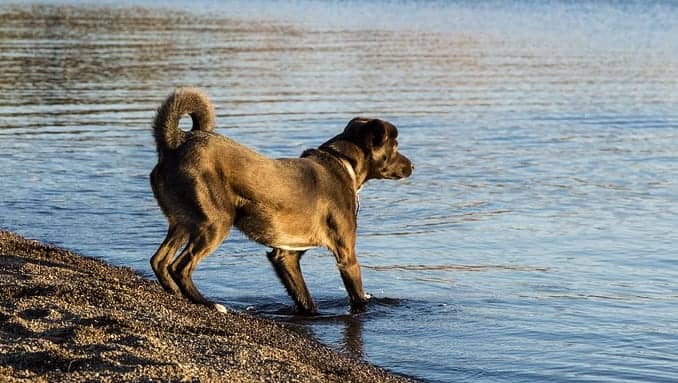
{"x": 293, "y": 248}
{"x": 281, "y": 231}
{"x": 290, "y": 241}
{"x": 284, "y": 241}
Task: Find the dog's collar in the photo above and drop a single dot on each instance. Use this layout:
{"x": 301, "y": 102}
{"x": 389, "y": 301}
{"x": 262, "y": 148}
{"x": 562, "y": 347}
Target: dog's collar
{"x": 354, "y": 180}
{"x": 351, "y": 173}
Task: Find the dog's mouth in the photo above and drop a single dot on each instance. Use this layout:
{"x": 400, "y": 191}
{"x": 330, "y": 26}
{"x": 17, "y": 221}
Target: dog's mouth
{"x": 405, "y": 172}
{"x": 395, "y": 176}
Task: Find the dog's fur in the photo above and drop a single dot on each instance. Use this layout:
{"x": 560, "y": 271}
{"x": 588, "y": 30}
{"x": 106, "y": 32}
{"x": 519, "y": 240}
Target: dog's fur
{"x": 206, "y": 183}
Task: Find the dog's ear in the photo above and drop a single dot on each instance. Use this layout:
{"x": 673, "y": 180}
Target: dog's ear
{"x": 380, "y": 131}
{"x": 355, "y": 129}
{"x": 355, "y": 125}
{"x": 372, "y": 132}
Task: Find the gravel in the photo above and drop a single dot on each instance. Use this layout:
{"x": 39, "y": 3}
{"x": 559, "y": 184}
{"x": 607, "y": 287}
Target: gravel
{"x": 69, "y": 318}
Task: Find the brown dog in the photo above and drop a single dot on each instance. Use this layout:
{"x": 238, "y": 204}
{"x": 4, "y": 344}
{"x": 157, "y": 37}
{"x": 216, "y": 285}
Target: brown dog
{"x": 206, "y": 183}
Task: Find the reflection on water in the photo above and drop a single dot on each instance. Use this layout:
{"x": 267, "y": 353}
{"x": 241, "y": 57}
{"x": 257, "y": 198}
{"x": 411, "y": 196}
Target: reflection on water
{"x": 535, "y": 241}
{"x": 454, "y": 267}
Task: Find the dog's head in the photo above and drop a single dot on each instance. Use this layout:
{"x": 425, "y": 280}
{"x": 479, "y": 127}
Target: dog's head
{"x": 379, "y": 141}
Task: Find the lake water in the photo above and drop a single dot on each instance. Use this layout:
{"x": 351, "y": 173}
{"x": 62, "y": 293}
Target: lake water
{"x": 537, "y": 239}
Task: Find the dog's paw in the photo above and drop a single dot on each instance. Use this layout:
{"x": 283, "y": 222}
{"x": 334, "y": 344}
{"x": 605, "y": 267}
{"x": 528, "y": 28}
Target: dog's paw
{"x": 220, "y": 308}
{"x": 359, "y": 305}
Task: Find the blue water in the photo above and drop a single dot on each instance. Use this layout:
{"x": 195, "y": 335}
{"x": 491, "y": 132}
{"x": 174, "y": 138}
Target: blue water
{"x": 536, "y": 240}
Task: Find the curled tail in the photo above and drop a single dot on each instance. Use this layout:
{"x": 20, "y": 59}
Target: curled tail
{"x": 191, "y": 101}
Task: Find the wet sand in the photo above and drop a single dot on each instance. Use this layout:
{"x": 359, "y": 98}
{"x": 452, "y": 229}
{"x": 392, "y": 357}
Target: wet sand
{"x": 68, "y": 318}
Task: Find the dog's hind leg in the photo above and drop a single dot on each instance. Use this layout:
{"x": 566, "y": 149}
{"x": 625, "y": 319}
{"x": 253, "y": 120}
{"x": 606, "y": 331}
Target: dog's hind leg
{"x": 200, "y": 244}
{"x": 286, "y": 265}
{"x": 175, "y": 239}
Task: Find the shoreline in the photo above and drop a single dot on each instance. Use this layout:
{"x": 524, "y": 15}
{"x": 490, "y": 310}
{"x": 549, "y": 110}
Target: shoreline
{"x": 70, "y": 318}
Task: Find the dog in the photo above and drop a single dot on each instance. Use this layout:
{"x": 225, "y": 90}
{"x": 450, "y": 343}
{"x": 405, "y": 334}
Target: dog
{"x": 206, "y": 183}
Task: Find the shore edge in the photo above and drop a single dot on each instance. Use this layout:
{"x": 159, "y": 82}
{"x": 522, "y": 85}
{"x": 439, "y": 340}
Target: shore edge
{"x": 69, "y": 318}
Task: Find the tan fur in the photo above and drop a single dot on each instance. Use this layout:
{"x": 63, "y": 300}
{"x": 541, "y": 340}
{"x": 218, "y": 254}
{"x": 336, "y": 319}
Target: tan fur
{"x": 206, "y": 183}
{"x": 183, "y": 101}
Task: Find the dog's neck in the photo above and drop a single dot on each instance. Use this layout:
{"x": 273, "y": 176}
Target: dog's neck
{"x": 354, "y": 178}
{"x": 346, "y": 156}
{"x": 356, "y": 186}
{"x": 350, "y": 156}
{"x": 345, "y": 162}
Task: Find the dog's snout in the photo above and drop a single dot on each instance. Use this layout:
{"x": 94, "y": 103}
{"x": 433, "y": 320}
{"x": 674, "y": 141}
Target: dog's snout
{"x": 408, "y": 169}
{"x": 409, "y": 163}
{"x": 406, "y": 166}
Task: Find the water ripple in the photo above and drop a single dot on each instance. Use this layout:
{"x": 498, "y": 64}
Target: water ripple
{"x": 535, "y": 240}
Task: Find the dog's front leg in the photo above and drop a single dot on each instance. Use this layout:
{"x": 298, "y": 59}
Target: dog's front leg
{"x": 350, "y": 274}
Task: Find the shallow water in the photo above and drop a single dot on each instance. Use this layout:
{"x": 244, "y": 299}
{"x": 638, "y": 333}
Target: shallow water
{"x": 536, "y": 240}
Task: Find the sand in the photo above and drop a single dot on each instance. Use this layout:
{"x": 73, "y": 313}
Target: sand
{"x": 69, "y": 318}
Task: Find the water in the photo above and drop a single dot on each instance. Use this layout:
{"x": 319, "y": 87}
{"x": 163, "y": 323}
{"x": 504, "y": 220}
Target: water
{"x": 536, "y": 240}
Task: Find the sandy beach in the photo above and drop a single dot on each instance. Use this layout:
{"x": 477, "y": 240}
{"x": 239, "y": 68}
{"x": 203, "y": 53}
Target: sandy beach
{"x": 69, "y": 318}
